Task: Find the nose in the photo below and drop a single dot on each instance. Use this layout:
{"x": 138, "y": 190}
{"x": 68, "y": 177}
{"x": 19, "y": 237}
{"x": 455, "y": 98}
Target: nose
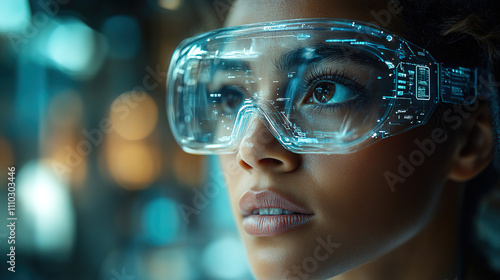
{"x": 260, "y": 151}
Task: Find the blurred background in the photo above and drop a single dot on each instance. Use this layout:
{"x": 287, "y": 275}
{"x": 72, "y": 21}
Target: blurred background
{"x": 102, "y": 189}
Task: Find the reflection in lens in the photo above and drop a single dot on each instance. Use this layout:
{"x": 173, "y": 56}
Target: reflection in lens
{"x": 324, "y": 91}
{"x": 232, "y": 98}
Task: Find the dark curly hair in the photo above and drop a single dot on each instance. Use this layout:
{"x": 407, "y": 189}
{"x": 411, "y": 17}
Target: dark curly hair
{"x": 464, "y": 33}
{"x": 458, "y": 31}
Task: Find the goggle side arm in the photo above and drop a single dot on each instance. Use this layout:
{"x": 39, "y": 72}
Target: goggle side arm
{"x": 457, "y": 85}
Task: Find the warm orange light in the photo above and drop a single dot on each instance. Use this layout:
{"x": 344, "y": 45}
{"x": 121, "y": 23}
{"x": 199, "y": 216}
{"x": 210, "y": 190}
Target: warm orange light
{"x": 169, "y": 4}
{"x": 134, "y": 115}
{"x": 131, "y": 164}
{"x": 189, "y": 169}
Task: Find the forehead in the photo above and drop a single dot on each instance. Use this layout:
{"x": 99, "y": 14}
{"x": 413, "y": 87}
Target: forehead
{"x": 384, "y": 13}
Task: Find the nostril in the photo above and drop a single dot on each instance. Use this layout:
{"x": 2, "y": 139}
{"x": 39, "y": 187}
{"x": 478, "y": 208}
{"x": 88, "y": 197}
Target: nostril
{"x": 244, "y": 165}
{"x": 270, "y": 161}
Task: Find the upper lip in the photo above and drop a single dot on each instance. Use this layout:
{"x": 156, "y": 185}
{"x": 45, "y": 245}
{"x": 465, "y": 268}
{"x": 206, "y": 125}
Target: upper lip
{"x": 251, "y": 200}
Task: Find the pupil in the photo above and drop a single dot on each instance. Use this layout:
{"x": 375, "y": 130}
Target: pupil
{"x": 232, "y": 98}
{"x": 324, "y": 91}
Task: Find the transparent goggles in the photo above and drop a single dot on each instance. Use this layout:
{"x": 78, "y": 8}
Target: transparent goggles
{"x": 319, "y": 85}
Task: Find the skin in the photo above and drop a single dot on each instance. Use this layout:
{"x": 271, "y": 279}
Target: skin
{"x": 409, "y": 233}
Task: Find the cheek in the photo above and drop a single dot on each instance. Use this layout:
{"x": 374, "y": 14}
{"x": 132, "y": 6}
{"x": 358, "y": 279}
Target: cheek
{"x": 354, "y": 204}
{"x": 358, "y": 196}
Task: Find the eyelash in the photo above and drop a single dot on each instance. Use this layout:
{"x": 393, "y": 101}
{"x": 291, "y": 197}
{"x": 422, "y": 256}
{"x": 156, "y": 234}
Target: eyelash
{"x": 337, "y": 76}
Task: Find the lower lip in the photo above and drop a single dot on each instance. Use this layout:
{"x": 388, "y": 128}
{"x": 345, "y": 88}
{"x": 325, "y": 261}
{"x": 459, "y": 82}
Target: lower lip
{"x": 273, "y": 225}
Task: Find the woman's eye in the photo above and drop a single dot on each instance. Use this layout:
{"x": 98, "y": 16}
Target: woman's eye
{"x": 323, "y": 92}
{"x": 329, "y": 93}
{"x": 231, "y": 98}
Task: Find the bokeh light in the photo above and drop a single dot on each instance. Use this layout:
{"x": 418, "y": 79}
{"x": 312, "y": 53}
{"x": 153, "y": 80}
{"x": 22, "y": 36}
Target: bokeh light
{"x": 14, "y": 15}
{"x": 71, "y": 46}
{"x": 160, "y": 220}
{"x": 225, "y": 258}
{"x": 99, "y": 176}
{"x": 132, "y": 164}
{"x": 47, "y": 212}
{"x": 169, "y": 263}
{"x": 169, "y": 4}
{"x": 134, "y": 115}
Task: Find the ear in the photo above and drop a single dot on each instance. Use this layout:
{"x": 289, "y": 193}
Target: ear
{"x": 474, "y": 151}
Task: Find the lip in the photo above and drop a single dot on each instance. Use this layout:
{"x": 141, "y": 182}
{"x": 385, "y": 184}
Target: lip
{"x": 270, "y": 225}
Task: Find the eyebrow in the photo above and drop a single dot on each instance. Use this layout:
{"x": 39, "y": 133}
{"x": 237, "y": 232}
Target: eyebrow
{"x": 330, "y": 53}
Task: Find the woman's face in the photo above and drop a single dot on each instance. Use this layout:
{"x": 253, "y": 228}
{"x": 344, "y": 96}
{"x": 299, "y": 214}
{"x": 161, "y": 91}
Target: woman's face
{"x": 349, "y": 213}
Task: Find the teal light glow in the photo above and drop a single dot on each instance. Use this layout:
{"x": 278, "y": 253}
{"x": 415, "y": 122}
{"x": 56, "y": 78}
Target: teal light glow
{"x": 47, "y": 212}
{"x": 225, "y": 258}
{"x": 14, "y": 15}
{"x": 71, "y": 46}
{"x": 161, "y": 221}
